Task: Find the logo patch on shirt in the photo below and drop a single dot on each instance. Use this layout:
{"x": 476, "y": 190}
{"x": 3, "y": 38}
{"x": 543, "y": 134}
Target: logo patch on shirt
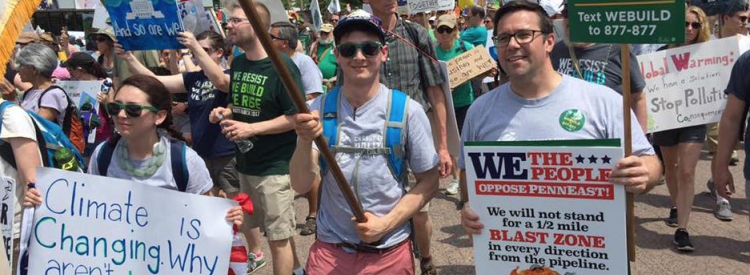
{"x": 572, "y": 120}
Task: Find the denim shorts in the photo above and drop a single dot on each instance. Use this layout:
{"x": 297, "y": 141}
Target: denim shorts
{"x": 692, "y": 134}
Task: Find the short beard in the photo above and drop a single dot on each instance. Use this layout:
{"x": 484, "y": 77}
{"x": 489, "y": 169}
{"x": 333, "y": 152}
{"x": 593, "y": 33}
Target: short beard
{"x": 327, "y": 41}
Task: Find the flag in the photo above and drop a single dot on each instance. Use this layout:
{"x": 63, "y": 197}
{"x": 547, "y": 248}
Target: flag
{"x": 334, "y": 7}
{"x": 317, "y": 18}
{"x": 14, "y": 15}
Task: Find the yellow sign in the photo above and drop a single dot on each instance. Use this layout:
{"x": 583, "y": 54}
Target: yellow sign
{"x": 468, "y": 65}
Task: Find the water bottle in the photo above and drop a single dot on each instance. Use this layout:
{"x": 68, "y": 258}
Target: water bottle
{"x": 66, "y": 160}
{"x": 244, "y": 145}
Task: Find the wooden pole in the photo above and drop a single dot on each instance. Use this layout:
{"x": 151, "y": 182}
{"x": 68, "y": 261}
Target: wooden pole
{"x": 627, "y": 141}
{"x": 295, "y": 94}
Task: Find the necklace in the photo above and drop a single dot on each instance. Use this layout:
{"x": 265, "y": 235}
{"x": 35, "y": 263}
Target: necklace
{"x": 153, "y": 163}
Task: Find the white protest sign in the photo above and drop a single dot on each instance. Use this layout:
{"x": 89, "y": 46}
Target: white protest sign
{"x": 468, "y": 65}
{"x": 685, "y": 85}
{"x": 95, "y": 225}
{"x": 416, "y": 6}
{"x": 7, "y": 214}
{"x": 100, "y": 17}
{"x": 454, "y": 138}
{"x": 547, "y": 204}
{"x": 81, "y": 92}
{"x": 193, "y": 16}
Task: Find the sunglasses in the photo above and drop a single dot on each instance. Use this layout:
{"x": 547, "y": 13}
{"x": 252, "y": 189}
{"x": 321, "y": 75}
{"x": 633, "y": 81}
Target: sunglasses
{"x": 101, "y": 39}
{"x": 368, "y": 49}
{"x": 695, "y": 25}
{"x": 207, "y": 50}
{"x": 444, "y": 30}
{"x": 131, "y": 110}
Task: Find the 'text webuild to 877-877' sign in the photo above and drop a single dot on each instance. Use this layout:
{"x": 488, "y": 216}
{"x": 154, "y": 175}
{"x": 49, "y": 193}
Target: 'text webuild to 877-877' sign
{"x": 627, "y": 21}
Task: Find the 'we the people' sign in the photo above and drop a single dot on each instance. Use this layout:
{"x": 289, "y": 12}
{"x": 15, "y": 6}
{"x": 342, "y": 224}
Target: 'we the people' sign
{"x": 96, "y": 225}
{"x": 547, "y": 205}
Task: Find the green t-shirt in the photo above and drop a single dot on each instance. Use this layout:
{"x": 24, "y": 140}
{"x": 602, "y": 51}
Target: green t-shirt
{"x": 257, "y": 94}
{"x": 328, "y": 65}
{"x": 463, "y": 95}
{"x": 322, "y": 48}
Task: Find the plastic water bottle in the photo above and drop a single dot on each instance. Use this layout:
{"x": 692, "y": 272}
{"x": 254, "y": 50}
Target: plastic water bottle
{"x": 66, "y": 160}
{"x": 244, "y": 145}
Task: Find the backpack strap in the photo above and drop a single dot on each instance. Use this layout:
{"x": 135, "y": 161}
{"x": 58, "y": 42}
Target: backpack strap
{"x": 6, "y": 151}
{"x": 395, "y": 133}
{"x": 178, "y": 151}
{"x": 105, "y": 157}
{"x": 330, "y": 107}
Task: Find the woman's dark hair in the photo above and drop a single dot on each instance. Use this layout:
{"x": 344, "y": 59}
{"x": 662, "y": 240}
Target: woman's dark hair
{"x": 92, "y": 68}
{"x": 158, "y": 96}
{"x": 217, "y": 42}
{"x": 545, "y": 23}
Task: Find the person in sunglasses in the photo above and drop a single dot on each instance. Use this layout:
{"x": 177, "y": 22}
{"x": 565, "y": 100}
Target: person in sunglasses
{"x": 142, "y": 112}
{"x": 538, "y": 97}
{"x": 362, "y": 107}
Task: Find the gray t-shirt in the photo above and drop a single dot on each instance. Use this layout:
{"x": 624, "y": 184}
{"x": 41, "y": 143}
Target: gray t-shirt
{"x": 376, "y": 188}
{"x": 199, "y": 182}
{"x": 312, "y": 78}
{"x": 574, "y": 110}
{"x": 54, "y": 98}
{"x": 600, "y": 64}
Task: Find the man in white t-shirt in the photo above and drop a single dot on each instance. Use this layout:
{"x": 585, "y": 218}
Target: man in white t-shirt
{"x": 18, "y": 132}
{"x": 285, "y": 38}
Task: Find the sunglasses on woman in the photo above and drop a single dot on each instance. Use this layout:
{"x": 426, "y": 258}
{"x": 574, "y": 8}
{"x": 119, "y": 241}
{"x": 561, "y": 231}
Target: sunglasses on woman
{"x": 131, "y": 110}
{"x": 444, "y": 30}
{"x": 369, "y": 49}
{"x": 695, "y": 25}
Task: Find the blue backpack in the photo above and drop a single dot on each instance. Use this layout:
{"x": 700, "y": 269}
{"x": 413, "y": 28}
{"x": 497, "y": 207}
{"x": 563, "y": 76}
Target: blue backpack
{"x": 49, "y": 136}
{"x": 394, "y": 132}
{"x": 177, "y": 154}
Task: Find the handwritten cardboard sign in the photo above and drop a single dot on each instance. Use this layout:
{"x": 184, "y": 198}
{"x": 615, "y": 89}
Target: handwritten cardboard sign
{"x": 96, "y": 225}
{"x": 416, "y": 6}
{"x": 146, "y": 24}
{"x": 83, "y": 92}
{"x": 469, "y": 65}
{"x": 685, "y": 85}
{"x": 547, "y": 204}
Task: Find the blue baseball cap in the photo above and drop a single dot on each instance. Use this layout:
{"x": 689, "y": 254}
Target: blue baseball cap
{"x": 359, "y": 20}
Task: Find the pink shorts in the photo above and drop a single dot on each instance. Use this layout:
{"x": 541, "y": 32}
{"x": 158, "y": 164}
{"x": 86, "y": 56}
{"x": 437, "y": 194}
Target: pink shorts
{"x": 326, "y": 258}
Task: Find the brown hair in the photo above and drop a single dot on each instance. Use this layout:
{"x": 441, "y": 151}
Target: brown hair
{"x": 158, "y": 96}
{"x": 265, "y": 19}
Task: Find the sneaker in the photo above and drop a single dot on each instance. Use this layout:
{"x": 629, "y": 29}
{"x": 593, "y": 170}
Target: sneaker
{"x": 453, "y": 188}
{"x": 734, "y": 159}
{"x": 672, "y": 220}
{"x": 255, "y": 262}
{"x": 310, "y": 226}
{"x": 299, "y": 271}
{"x": 711, "y": 189}
{"x": 426, "y": 266}
{"x": 682, "y": 240}
{"x": 723, "y": 211}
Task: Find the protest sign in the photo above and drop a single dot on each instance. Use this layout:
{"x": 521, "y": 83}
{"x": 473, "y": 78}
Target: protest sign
{"x": 454, "y": 138}
{"x": 548, "y": 204}
{"x": 685, "y": 85}
{"x": 96, "y": 225}
{"x": 145, "y": 24}
{"x": 7, "y": 214}
{"x": 627, "y": 21}
{"x": 81, "y": 93}
{"x": 193, "y": 16}
{"x": 468, "y": 65}
{"x": 416, "y": 6}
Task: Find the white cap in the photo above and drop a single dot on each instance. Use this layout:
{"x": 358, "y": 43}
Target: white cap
{"x": 552, "y": 7}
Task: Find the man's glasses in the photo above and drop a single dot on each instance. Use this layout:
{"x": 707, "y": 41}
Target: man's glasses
{"x": 324, "y": 33}
{"x": 522, "y": 37}
{"x": 236, "y": 21}
{"x": 131, "y": 110}
{"x": 695, "y": 25}
{"x": 207, "y": 50}
{"x": 368, "y": 49}
{"x": 444, "y": 29}
{"x": 273, "y": 37}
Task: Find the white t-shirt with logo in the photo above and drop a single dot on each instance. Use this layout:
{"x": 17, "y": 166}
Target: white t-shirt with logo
{"x": 576, "y": 109}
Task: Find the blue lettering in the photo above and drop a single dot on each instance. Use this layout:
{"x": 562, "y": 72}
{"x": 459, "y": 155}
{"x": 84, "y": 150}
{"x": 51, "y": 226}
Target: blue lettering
{"x": 46, "y": 196}
{"x": 36, "y": 232}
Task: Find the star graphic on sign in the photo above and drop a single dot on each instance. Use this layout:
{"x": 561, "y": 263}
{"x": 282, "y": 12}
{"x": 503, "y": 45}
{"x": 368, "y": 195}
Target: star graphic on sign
{"x": 592, "y": 159}
{"x": 606, "y": 159}
{"x": 579, "y": 159}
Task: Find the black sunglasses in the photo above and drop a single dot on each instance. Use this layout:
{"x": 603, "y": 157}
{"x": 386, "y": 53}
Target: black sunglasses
{"x": 444, "y": 29}
{"x": 695, "y": 25}
{"x": 369, "y": 49}
{"x": 131, "y": 110}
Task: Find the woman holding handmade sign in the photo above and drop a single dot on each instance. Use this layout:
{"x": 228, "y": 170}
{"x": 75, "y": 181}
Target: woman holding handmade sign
{"x": 681, "y": 147}
{"x": 146, "y": 145}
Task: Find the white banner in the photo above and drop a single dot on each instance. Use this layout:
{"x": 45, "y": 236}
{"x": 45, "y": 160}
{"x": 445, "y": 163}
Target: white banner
{"x": 452, "y": 131}
{"x": 416, "y": 6}
{"x": 685, "y": 85}
{"x": 7, "y": 214}
{"x": 82, "y": 92}
{"x": 95, "y": 225}
{"x": 547, "y": 205}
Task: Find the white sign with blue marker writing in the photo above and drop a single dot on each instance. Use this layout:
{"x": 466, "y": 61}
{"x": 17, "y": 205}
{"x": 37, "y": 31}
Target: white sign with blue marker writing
{"x": 95, "y": 225}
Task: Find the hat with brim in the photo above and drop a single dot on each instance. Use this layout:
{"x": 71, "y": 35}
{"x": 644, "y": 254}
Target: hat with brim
{"x": 46, "y": 37}
{"x": 78, "y": 60}
{"x": 326, "y": 28}
{"x": 27, "y": 37}
{"x": 359, "y": 20}
{"x": 448, "y": 20}
{"x": 108, "y": 31}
